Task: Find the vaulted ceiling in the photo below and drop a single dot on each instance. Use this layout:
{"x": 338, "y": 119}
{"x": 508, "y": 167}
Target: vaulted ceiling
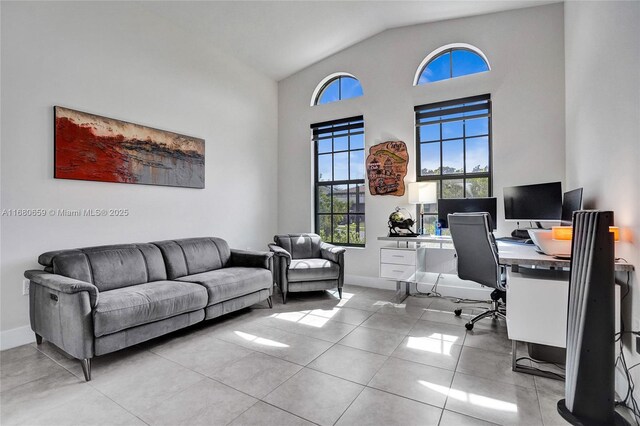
{"x": 282, "y": 37}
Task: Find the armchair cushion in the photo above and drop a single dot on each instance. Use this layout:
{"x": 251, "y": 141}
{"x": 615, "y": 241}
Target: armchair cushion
{"x": 280, "y": 253}
{"x": 300, "y": 246}
{"x": 313, "y": 270}
{"x": 229, "y": 283}
{"x": 128, "y": 307}
{"x": 331, "y": 252}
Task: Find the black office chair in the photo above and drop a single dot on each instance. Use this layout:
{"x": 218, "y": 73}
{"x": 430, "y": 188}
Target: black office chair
{"x": 478, "y": 259}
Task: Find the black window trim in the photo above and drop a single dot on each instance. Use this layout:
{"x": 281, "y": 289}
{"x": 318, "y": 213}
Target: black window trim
{"x": 334, "y": 126}
{"x": 437, "y": 105}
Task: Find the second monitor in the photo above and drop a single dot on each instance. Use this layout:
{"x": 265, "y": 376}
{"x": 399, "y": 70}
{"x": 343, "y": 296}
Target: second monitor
{"x": 448, "y": 206}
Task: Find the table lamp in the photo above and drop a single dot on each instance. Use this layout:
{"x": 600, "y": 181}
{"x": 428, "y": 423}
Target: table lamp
{"x": 422, "y": 193}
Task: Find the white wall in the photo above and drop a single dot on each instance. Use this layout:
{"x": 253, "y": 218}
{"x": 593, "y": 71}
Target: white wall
{"x": 116, "y": 60}
{"x": 603, "y": 124}
{"x": 526, "y": 52}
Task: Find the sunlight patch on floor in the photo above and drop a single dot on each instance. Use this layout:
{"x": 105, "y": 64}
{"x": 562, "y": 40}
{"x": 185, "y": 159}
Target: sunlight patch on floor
{"x": 428, "y": 344}
{"x": 260, "y": 340}
{"x": 472, "y": 398}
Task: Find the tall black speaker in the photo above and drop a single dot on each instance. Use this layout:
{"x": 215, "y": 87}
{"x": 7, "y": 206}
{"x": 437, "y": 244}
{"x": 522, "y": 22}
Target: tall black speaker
{"x": 589, "y": 387}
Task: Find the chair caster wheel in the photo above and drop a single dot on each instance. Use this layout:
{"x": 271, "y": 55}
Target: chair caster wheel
{"x": 458, "y": 312}
{"x": 468, "y": 326}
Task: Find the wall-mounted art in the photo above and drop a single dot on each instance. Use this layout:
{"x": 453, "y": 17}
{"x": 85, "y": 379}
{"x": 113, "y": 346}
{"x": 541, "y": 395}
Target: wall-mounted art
{"x": 387, "y": 167}
{"x": 91, "y": 147}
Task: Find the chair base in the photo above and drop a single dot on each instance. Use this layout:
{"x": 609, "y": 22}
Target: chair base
{"x": 270, "y": 302}
{"x": 495, "y": 311}
{"x": 38, "y": 339}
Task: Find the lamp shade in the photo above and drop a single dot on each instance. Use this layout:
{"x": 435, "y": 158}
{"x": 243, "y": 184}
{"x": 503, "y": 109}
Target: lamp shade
{"x": 566, "y": 232}
{"x": 422, "y": 193}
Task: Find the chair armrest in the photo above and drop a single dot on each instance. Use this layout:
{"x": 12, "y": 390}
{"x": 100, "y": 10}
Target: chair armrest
{"x": 280, "y": 253}
{"x": 251, "y": 259}
{"x": 331, "y": 252}
{"x": 63, "y": 284}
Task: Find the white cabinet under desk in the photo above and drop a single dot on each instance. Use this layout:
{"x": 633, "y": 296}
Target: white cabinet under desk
{"x": 416, "y": 260}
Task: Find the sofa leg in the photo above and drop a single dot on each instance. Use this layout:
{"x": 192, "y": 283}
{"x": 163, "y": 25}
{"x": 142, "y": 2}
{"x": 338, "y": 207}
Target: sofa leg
{"x": 284, "y": 298}
{"x": 340, "y": 292}
{"x": 270, "y": 302}
{"x": 38, "y": 339}
{"x": 86, "y": 368}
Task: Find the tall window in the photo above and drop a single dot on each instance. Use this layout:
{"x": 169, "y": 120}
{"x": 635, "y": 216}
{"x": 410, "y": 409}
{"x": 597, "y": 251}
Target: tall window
{"x": 454, "y": 149}
{"x": 451, "y": 61}
{"x": 339, "y": 181}
{"x": 336, "y": 87}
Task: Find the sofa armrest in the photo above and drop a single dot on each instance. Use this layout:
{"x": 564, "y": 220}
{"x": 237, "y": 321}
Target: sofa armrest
{"x": 332, "y": 253}
{"x": 63, "y": 284}
{"x": 280, "y": 253}
{"x": 251, "y": 259}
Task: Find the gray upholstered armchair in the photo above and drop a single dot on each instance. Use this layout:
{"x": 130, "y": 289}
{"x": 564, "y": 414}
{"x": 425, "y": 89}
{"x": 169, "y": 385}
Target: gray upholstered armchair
{"x": 304, "y": 263}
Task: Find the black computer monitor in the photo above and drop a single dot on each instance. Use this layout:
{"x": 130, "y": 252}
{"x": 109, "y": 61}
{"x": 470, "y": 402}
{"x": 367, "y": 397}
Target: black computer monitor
{"x": 448, "y": 206}
{"x": 571, "y": 201}
{"x": 535, "y": 203}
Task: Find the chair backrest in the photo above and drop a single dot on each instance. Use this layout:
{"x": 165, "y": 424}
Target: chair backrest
{"x": 301, "y": 246}
{"x": 476, "y": 248}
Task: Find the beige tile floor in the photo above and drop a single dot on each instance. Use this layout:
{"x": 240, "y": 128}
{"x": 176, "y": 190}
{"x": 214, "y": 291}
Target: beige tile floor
{"x": 317, "y": 359}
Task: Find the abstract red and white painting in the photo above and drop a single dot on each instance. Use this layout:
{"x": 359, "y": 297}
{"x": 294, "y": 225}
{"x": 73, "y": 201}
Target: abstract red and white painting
{"x": 91, "y": 147}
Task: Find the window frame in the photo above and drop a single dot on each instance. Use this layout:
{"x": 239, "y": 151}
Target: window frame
{"x": 449, "y": 48}
{"x": 351, "y": 123}
{"x": 440, "y": 178}
{"x": 327, "y": 81}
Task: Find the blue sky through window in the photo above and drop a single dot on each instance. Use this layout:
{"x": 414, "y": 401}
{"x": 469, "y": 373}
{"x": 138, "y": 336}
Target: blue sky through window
{"x": 452, "y": 63}
{"x": 340, "y": 88}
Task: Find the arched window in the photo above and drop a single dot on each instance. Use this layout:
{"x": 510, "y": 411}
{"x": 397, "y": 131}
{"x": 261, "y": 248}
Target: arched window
{"x": 451, "y": 61}
{"x": 336, "y": 87}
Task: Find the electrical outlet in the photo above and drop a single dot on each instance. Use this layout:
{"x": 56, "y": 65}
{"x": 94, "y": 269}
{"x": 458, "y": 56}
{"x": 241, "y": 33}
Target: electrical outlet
{"x": 25, "y": 287}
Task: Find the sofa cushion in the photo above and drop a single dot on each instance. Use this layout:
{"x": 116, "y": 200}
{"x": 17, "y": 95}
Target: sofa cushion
{"x": 131, "y": 306}
{"x": 108, "y": 267}
{"x": 194, "y": 255}
{"x": 229, "y": 283}
{"x": 313, "y": 269}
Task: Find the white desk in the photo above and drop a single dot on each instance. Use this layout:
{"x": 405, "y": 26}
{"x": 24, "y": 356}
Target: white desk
{"x": 537, "y": 287}
{"x": 538, "y": 299}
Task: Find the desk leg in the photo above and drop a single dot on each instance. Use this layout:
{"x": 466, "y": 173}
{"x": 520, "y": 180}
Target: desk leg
{"x": 400, "y": 295}
{"x": 519, "y": 368}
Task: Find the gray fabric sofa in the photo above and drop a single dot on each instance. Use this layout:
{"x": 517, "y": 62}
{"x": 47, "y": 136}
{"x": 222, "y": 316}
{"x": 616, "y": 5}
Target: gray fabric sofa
{"x": 96, "y": 300}
{"x": 304, "y": 263}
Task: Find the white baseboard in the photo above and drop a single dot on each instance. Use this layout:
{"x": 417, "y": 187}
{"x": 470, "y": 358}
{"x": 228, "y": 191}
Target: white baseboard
{"x": 448, "y": 285}
{"x": 16, "y": 337}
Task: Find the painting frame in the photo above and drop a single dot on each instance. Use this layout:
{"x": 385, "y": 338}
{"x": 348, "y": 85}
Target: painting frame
{"x": 148, "y": 156}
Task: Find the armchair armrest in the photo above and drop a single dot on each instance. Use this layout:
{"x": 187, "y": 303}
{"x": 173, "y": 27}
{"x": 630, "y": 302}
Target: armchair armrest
{"x": 331, "y": 252}
{"x": 251, "y": 259}
{"x": 280, "y": 253}
{"x": 63, "y": 284}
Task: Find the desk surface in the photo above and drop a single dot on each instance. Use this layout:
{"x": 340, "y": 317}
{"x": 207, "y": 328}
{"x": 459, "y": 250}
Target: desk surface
{"x": 510, "y": 253}
{"x": 526, "y": 255}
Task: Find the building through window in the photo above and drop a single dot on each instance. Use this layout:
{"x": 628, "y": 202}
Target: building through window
{"x": 340, "y": 181}
{"x": 453, "y": 148}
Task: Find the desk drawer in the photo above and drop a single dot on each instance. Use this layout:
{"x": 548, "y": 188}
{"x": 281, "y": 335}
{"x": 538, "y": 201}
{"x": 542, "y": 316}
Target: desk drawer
{"x": 398, "y": 257}
{"x": 397, "y": 272}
